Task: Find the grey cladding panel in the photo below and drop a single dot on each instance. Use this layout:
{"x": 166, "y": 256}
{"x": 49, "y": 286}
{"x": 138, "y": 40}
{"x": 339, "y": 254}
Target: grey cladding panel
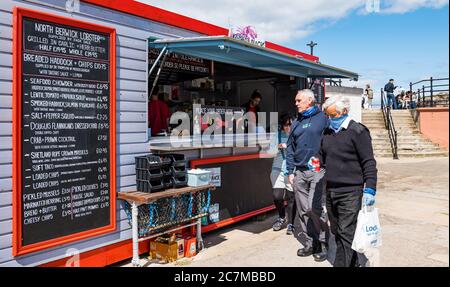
{"x": 132, "y": 96}
{"x": 131, "y": 116}
{"x": 132, "y": 107}
{"x": 5, "y": 89}
{"x": 5, "y": 170}
{"x": 5, "y": 156}
{"x": 5, "y": 226}
{"x": 5, "y": 184}
{"x": 5, "y": 198}
{"x": 5, "y": 59}
{"x": 5, "y": 129}
{"x": 5, "y": 212}
{"x": 5, "y": 142}
{"x": 5, "y": 115}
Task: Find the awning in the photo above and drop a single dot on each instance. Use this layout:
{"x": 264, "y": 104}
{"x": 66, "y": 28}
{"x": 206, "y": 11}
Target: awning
{"x": 241, "y": 53}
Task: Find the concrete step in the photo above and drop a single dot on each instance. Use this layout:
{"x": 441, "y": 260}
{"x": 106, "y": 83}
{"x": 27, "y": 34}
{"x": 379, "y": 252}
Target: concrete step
{"x": 371, "y": 118}
{"x": 403, "y": 154}
{"x": 422, "y": 154}
{"x": 382, "y": 126}
{"x": 406, "y": 146}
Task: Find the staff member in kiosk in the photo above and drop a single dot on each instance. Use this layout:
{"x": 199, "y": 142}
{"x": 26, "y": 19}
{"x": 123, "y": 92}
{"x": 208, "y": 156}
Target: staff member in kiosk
{"x": 158, "y": 113}
{"x": 281, "y": 188}
{"x": 303, "y": 144}
{"x": 351, "y": 175}
{"x": 252, "y": 107}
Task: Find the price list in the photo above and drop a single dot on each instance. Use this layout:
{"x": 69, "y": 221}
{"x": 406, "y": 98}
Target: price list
{"x": 65, "y": 130}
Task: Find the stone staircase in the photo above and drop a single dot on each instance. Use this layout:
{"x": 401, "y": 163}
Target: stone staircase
{"x": 410, "y": 142}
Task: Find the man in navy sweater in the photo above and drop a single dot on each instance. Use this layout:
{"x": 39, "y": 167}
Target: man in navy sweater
{"x": 303, "y": 143}
{"x": 351, "y": 175}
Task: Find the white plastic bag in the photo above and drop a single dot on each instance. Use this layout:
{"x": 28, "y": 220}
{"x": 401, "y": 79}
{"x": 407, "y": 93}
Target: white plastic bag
{"x": 368, "y": 230}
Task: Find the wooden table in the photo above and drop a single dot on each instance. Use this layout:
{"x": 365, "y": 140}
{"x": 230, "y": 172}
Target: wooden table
{"x": 136, "y": 199}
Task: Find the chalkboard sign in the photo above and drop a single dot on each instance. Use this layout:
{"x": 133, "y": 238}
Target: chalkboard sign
{"x": 66, "y": 129}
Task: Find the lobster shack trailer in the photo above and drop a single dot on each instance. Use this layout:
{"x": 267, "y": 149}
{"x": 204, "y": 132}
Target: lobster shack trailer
{"x": 75, "y": 79}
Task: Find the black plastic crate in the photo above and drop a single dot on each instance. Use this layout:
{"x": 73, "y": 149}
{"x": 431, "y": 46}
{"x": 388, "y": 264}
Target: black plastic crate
{"x": 150, "y": 186}
{"x": 168, "y": 182}
{"x": 177, "y": 160}
{"x": 180, "y": 181}
{"x": 178, "y": 170}
{"x": 165, "y": 160}
{"x": 148, "y": 174}
{"x": 148, "y": 162}
{"x": 166, "y": 170}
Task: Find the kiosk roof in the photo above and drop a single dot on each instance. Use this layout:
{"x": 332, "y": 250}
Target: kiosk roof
{"x": 241, "y": 53}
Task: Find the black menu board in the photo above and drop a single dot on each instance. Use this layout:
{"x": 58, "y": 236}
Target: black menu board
{"x": 65, "y": 131}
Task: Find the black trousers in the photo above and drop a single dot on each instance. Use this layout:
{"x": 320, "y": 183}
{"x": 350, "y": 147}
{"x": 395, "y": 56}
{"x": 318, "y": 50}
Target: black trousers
{"x": 343, "y": 209}
{"x": 281, "y": 194}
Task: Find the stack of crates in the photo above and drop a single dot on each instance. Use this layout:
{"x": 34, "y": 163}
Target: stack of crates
{"x": 149, "y": 175}
{"x": 156, "y": 173}
{"x": 167, "y": 171}
{"x": 178, "y": 170}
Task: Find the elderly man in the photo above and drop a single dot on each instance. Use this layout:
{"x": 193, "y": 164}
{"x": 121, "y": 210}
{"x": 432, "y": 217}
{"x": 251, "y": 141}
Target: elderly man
{"x": 351, "y": 175}
{"x": 303, "y": 143}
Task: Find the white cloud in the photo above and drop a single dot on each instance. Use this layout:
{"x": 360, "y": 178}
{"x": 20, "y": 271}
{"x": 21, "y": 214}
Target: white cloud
{"x": 282, "y": 20}
{"x": 404, "y": 6}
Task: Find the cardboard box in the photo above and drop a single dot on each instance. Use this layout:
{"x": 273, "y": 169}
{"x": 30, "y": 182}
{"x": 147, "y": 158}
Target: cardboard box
{"x": 190, "y": 244}
{"x": 180, "y": 247}
{"x": 152, "y": 249}
{"x": 164, "y": 250}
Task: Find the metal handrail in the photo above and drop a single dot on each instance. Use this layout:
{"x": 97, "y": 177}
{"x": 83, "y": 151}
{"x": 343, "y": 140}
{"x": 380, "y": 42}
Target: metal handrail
{"x": 426, "y": 93}
{"x": 389, "y": 124}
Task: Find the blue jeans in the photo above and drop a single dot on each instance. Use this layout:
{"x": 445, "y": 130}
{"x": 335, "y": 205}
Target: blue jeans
{"x": 391, "y": 99}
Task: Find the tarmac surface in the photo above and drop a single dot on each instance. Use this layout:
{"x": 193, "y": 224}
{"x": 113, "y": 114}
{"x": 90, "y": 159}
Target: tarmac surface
{"x": 413, "y": 201}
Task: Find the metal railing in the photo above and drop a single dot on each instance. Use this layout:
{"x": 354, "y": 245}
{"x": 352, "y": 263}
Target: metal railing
{"x": 389, "y": 123}
{"x": 431, "y": 92}
{"x": 335, "y": 83}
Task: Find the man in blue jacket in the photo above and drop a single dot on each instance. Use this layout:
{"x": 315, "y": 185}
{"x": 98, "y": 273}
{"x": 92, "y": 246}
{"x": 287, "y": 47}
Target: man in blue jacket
{"x": 303, "y": 144}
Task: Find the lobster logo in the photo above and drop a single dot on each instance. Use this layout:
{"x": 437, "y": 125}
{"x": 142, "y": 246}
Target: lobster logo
{"x": 247, "y": 32}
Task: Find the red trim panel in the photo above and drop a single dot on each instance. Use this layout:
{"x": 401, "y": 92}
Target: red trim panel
{"x": 19, "y": 13}
{"x": 289, "y": 51}
{"x": 160, "y": 15}
{"x": 196, "y": 162}
{"x": 177, "y": 20}
{"x": 233, "y": 220}
{"x": 102, "y": 256}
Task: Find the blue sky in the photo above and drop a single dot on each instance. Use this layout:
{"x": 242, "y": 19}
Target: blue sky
{"x": 407, "y": 47}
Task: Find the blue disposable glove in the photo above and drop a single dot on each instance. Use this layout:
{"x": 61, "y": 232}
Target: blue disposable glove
{"x": 310, "y": 165}
{"x": 369, "y": 196}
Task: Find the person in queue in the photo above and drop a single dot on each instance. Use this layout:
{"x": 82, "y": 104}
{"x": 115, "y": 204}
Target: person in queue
{"x": 304, "y": 142}
{"x": 282, "y": 189}
{"x": 351, "y": 175}
{"x": 158, "y": 113}
{"x": 389, "y": 88}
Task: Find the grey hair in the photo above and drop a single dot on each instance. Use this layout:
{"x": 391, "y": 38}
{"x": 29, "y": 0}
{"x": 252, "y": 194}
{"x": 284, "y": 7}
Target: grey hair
{"x": 342, "y": 104}
{"x": 309, "y": 94}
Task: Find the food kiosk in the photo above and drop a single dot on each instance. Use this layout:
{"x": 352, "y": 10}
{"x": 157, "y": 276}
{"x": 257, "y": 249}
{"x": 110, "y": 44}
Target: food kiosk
{"x": 74, "y": 83}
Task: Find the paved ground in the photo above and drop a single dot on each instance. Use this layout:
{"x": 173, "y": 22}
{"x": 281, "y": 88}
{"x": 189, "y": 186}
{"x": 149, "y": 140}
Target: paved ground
{"x": 413, "y": 199}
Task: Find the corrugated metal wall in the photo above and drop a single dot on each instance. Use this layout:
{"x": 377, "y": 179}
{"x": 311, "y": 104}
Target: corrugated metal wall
{"x": 131, "y": 50}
